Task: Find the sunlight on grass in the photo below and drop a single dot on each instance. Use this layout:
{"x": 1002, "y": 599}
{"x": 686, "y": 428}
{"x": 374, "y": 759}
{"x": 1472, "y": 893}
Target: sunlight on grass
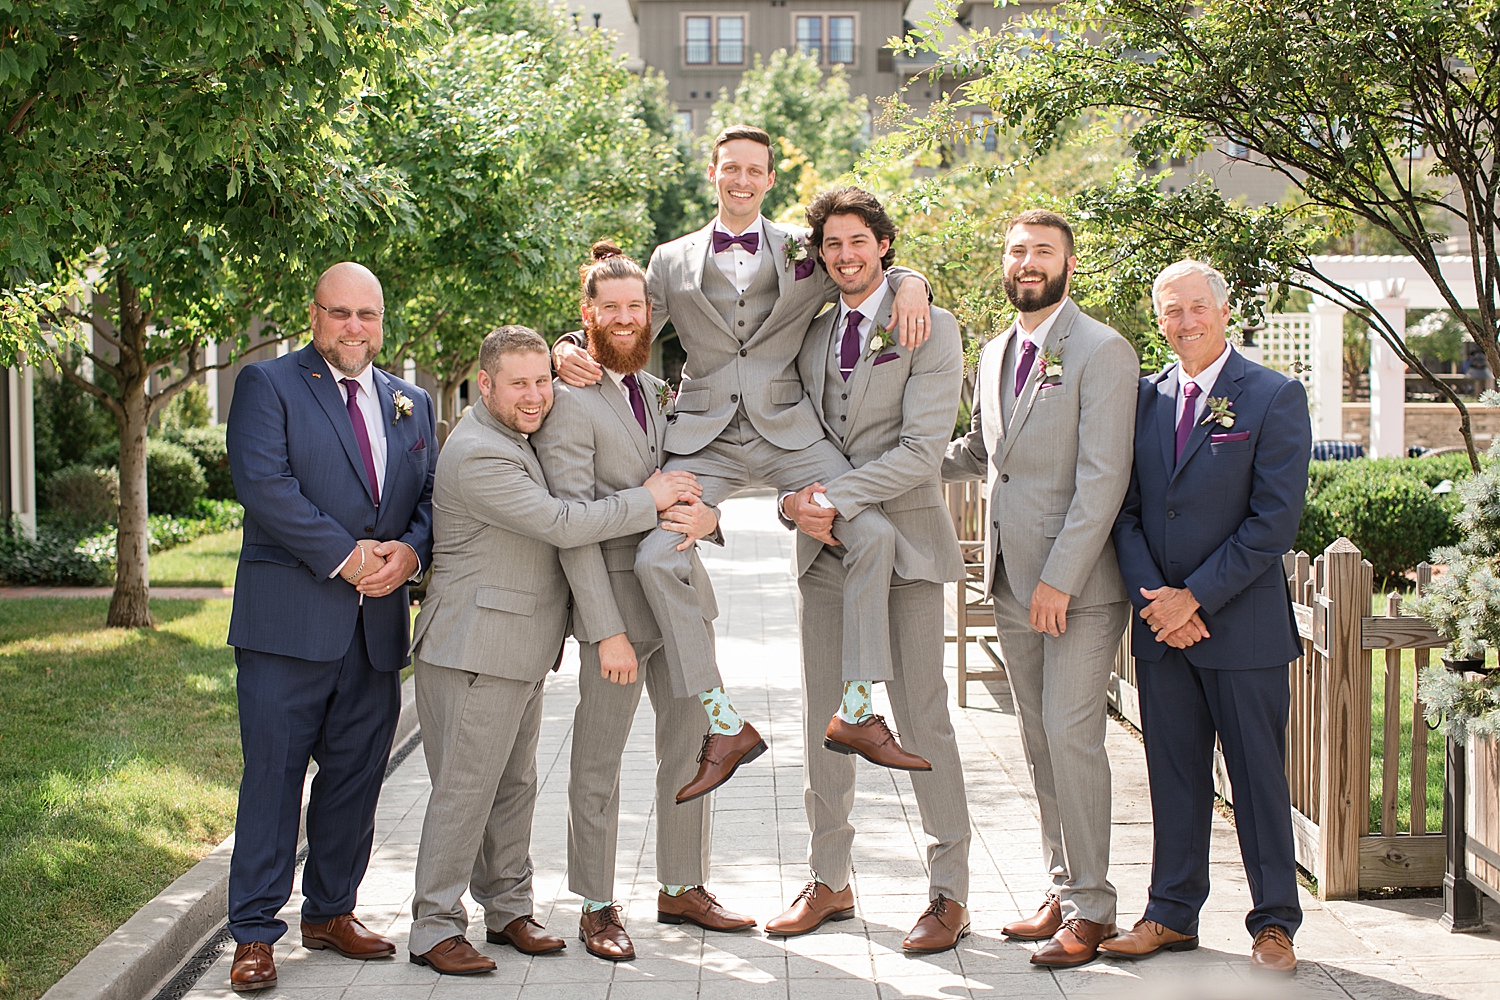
{"x": 119, "y": 769}
{"x": 209, "y": 561}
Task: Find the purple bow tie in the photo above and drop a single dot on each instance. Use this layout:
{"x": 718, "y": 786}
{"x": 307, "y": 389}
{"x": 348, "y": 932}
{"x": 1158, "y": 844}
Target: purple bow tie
{"x": 723, "y": 241}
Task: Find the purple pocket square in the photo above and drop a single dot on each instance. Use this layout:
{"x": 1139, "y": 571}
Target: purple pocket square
{"x": 1226, "y": 438}
{"x": 887, "y": 357}
{"x": 421, "y": 444}
{"x": 804, "y": 269}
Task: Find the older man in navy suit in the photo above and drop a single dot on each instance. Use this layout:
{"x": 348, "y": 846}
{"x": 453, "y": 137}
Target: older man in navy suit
{"x": 333, "y": 460}
{"x": 1221, "y": 452}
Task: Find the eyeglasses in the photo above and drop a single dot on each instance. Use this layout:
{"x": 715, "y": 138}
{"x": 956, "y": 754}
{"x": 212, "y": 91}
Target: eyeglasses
{"x": 341, "y": 314}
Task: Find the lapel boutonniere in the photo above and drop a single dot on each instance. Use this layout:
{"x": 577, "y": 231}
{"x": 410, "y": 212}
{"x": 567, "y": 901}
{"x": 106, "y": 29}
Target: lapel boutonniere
{"x": 665, "y": 397}
{"x": 401, "y": 403}
{"x": 876, "y": 345}
{"x": 1052, "y": 368}
{"x": 1220, "y": 411}
{"x": 795, "y": 251}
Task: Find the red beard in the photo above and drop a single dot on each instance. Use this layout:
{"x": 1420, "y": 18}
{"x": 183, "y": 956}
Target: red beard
{"x": 606, "y": 350}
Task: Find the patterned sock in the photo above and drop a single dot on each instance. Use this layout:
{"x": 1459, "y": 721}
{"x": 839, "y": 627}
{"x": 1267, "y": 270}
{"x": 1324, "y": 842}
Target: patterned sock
{"x": 723, "y": 720}
{"x": 856, "y": 704}
{"x": 673, "y": 890}
{"x": 590, "y": 905}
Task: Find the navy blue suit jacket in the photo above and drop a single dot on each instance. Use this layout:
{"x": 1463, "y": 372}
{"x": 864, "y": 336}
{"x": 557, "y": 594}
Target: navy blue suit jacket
{"x": 1219, "y": 520}
{"x": 298, "y": 471}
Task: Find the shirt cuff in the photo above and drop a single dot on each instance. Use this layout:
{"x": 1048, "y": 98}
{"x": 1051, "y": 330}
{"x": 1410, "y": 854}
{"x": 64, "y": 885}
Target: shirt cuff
{"x": 417, "y": 576}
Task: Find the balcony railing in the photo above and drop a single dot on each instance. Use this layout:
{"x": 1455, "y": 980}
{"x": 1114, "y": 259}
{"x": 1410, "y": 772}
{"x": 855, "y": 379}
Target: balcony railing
{"x": 731, "y": 56}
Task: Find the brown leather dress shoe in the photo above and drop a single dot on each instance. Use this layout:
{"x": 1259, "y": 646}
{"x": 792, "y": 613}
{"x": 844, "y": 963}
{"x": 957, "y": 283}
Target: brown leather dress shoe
{"x": 455, "y": 957}
{"x": 720, "y": 757}
{"x": 699, "y": 906}
{"x": 347, "y": 936}
{"x": 815, "y": 905}
{"x": 1145, "y": 939}
{"x": 939, "y": 928}
{"x": 873, "y": 740}
{"x": 603, "y": 935}
{"x": 253, "y": 969}
{"x": 526, "y": 936}
{"x": 1075, "y": 943}
{"x": 1273, "y": 951}
{"x": 1041, "y": 927}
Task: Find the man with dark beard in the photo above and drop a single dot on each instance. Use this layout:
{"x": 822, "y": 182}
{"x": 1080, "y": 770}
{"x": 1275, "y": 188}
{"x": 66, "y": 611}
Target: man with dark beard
{"x": 1057, "y": 395}
{"x": 599, "y": 440}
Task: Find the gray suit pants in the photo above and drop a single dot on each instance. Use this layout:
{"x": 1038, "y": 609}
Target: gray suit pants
{"x": 1059, "y": 685}
{"x": 740, "y": 459}
{"x": 601, "y": 726}
{"x": 479, "y": 733}
{"x": 919, "y": 701}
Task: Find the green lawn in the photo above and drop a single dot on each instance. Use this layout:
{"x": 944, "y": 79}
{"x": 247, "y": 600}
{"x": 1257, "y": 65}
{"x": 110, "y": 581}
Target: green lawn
{"x": 1435, "y": 750}
{"x": 204, "y": 562}
{"x": 119, "y": 767}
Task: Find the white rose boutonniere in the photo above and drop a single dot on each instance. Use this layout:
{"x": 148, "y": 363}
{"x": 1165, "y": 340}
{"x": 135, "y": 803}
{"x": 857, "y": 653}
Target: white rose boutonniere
{"x": 1220, "y": 411}
{"x": 1052, "y": 368}
{"x": 402, "y": 404}
{"x": 876, "y": 345}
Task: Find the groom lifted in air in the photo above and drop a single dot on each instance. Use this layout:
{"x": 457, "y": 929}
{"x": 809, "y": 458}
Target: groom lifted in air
{"x": 741, "y": 293}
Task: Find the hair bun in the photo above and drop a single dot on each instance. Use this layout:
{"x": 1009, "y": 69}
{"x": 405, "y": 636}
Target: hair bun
{"x": 604, "y": 250}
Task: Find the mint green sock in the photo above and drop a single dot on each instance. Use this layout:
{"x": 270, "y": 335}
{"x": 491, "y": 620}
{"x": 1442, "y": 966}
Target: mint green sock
{"x": 856, "y": 705}
{"x": 673, "y": 890}
{"x": 722, "y": 718}
{"x": 590, "y": 905}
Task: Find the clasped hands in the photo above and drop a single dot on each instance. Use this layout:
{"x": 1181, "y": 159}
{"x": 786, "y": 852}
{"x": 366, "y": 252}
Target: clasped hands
{"x": 679, "y": 498}
{"x": 376, "y": 568}
{"x": 1173, "y": 616}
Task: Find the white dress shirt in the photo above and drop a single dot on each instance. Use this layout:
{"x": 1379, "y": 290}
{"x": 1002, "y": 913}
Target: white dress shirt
{"x": 619, "y": 380}
{"x": 1205, "y": 379}
{"x": 868, "y": 308}
{"x": 737, "y": 264}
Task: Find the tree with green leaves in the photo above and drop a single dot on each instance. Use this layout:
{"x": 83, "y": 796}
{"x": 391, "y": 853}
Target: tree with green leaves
{"x": 821, "y": 128}
{"x": 522, "y": 140}
{"x": 196, "y": 163}
{"x": 1339, "y": 97}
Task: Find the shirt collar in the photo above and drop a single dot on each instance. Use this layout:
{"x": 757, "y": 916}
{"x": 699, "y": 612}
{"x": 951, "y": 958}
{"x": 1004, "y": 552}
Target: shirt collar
{"x": 366, "y": 378}
{"x": 619, "y": 377}
{"x": 868, "y": 307}
{"x": 1039, "y": 335}
{"x": 1208, "y": 376}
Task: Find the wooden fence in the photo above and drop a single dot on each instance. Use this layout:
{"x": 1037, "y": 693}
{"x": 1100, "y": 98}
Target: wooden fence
{"x": 1330, "y": 738}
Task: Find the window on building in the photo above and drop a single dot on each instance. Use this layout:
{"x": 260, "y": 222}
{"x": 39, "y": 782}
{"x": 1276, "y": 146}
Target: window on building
{"x": 1237, "y": 151}
{"x": 698, "y": 50}
{"x": 984, "y": 127}
{"x": 731, "y": 40}
{"x": 841, "y": 39}
{"x": 685, "y": 121}
{"x": 810, "y": 37}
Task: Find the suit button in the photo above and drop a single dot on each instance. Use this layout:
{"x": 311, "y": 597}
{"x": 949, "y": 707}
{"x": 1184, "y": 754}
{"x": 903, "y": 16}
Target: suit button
{"x": 843, "y": 418}
{"x": 742, "y": 301}
{"x": 1004, "y": 477}
{"x": 1171, "y": 514}
{"x": 369, "y": 527}
{"x": 742, "y": 322}
{"x": 996, "y": 524}
{"x": 653, "y": 449}
{"x": 743, "y": 352}
{"x": 734, "y": 398}
{"x": 844, "y": 396}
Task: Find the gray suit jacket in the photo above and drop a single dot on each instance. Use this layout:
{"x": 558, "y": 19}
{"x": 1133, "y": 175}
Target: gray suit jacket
{"x": 497, "y": 602}
{"x": 900, "y": 416}
{"x": 590, "y": 448}
{"x": 1058, "y": 465}
{"x": 722, "y": 373}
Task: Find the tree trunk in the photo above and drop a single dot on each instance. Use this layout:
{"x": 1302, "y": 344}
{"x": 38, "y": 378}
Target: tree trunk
{"x": 130, "y": 607}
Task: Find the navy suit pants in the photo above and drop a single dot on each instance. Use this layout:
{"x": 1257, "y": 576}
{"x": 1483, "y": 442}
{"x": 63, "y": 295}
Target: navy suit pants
{"x": 1182, "y": 708}
{"x": 341, "y": 714}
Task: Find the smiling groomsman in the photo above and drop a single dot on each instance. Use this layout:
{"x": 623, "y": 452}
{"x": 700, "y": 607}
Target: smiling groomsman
{"x": 1222, "y": 446}
{"x": 1052, "y": 437}
{"x": 333, "y": 460}
{"x": 891, "y": 412}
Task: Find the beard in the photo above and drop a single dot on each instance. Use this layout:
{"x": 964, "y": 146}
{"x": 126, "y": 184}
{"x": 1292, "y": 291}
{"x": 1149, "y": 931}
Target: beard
{"x": 1032, "y": 299}
{"x": 625, "y": 360}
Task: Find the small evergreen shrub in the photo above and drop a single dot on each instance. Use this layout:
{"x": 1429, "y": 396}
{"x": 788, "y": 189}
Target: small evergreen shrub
{"x": 174, "y": 480}
{"x": 1389, "y": 511}
{"x": 83, "y": 495}
{"x": 208, "y": 446}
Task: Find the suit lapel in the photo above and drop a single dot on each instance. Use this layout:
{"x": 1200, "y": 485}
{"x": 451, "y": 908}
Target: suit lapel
{"x": 776, "y": 239}
{"x": 395, "y": 434}
{"x": 1226, "y": 386}
{"x": 1166, "y": 418}
{"x": 697, "y": 247}
{"x": 616, "y": 401}
{"x": 330, "y": 396}
{"x": 864, "y": 367}
{"x": 819, "y": 343}
{"x": 656, "y": 420}
{"x": 991, "y": 372}
{"x": 1055, "y": 337}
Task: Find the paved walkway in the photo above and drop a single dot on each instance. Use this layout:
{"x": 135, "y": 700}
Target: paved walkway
{"x": 1390, "y": 951}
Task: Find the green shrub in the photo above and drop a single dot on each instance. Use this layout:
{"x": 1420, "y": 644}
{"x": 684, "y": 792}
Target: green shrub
{"x": 174, "y": 480}
{"x": 1386, "y": 509}
{"x": 83, "y": 495}
{"x": 53, "y": 558}
{"x": 208, "y": 447}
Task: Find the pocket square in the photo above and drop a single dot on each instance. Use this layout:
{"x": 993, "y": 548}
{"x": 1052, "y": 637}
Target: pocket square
{"x": 1225, "y": 438}
{"x": 887, "y": 357}
{"x": 805, "y": 267}
{"x": 421, "y": 444}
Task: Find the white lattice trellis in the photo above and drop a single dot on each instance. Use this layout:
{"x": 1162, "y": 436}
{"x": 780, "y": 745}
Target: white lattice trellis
{"x": 1287, "y": 340}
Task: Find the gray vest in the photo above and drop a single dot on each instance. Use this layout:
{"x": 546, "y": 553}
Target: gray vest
{"x": 742, "y": 313}
{"x": 835, "y": 389}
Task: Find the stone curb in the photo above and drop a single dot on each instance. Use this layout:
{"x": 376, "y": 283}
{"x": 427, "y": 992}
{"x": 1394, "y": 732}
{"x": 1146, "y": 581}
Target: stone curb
{"x": 146, "y": 950}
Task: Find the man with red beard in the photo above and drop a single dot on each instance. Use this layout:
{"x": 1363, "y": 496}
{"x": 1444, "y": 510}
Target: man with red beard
{"x": 599, "y": 440}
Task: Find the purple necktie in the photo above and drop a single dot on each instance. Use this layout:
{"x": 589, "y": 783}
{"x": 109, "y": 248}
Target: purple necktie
{"x": 1189, "y": 414}
{"x": 849, "y": 347}
{"x": 723, "y": 241}
{"x": 1023, "y": 366}
{"x": 362, "y": 435}
{"x": 637, "y": 401}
